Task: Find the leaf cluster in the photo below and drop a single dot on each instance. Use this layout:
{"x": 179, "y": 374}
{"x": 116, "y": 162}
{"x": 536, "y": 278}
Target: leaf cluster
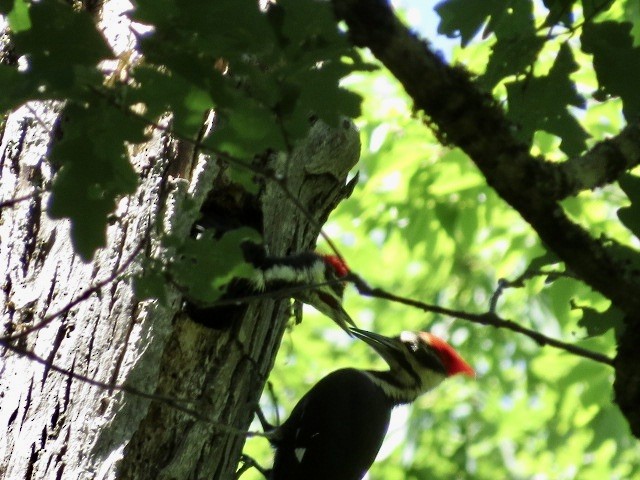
{"x": 264, "y": 75}
{"x": 521, "y": 42}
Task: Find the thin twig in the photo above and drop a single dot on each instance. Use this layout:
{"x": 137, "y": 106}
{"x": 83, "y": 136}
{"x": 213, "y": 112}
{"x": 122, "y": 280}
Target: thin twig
{"x": 249, "y": 462}
{"x": 274, "y": 402}
{"x": 488, "y": 318}
{"x": 177, "y": 403}
{"x": 503, "y": 283}
{"x": 493, "y": 302}
{"x": 13, "y": 201}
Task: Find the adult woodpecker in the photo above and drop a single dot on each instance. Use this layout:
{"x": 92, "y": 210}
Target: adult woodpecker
{"x": 337, "y": 428}
{"x": 309, "y": 277}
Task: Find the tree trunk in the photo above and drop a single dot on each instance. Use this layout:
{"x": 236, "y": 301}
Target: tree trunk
{"x": 53, "y": 424}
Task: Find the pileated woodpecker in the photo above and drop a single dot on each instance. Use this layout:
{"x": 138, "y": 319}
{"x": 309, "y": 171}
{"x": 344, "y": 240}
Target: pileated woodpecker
{"x": 337, "y": 428}
{"x": 309, "y": 277}
{"x": 312, "y": 278}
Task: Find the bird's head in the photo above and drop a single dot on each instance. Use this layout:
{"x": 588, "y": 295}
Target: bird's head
{"x": 418, "y": 362}
{"x": 337, "y": 264}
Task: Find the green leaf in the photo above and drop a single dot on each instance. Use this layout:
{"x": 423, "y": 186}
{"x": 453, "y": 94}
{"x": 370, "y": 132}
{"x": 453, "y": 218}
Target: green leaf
{"x": 465, "y": 18}
{"x": 6, "y": 6}
{"x": 94, "y": 170}
{"x": 16, "y": 88}
{"x": 632, "y": 13}
{"x": 511, "y": 56}
{"x": 630, "y": 215}
{"x": 151, "y": 283}
{"x": 205, "y": 265}
{"x": 320, "y": 29}
{"x": 316, "y": 58}
{"x": 447, "y": 215}
{"x": 161, "y": 93}
{"x": 608, "y": 424}
{"x": 18, "y": 16}
{"x": 541, "y": 103}
{"x": 321, "y": 94}
{"x": 591, "y": 8}
{"x": 598, "y": 323}
{"x": 553, "y": 367}
{"x": 560, "y": 11}
{"x": 207, "y": 26}
{"x": 279, "y": 73}
{"x": 616, "y": 61}
{"x": 548, "y": 258}
{"x": 624, "y": 253}
{"x": 517, "y": 45}
{"x": 244, "y": 177}
{"x": 247, "y": 130}
{"x": 62, "y": 47}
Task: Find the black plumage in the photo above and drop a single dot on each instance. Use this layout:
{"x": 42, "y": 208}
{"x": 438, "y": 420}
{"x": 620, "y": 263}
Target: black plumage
{"x": 345, "y": 408}
{"x": 336, "y": 430}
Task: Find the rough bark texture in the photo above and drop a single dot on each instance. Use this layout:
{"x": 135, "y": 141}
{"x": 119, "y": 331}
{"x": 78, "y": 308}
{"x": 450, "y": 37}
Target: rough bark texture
{"x": 470, "y": 119}
{"x": 224, "y": 371}
{"x": 56, "y": 426}
{"x": 50, "y": 424}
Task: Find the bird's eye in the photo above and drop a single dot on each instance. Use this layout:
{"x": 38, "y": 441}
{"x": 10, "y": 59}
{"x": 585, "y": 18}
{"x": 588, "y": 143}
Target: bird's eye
{"x": 413, "y": 346}
{"x": 410, "y": 339}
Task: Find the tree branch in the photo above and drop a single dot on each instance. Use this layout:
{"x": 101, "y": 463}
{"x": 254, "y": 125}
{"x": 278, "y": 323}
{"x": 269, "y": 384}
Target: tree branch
{"x": 14, "y": 201}
{"x": 601, "y": 165}
{"x": 470, "y": 119}
{"x": 489, "y": 318}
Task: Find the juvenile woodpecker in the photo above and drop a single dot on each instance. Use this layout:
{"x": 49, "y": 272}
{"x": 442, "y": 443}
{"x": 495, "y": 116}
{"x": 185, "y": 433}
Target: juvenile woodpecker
{"x": 337, "y": 428}
{"x": 309, "y": 277}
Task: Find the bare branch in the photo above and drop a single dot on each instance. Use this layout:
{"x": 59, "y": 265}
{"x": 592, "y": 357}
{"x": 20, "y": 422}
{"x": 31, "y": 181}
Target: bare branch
{"x": 601, "y": 165}
{"x": 503, "y": 283}
{"x": 13, "y": 201}
{"x": 488, "y": 318}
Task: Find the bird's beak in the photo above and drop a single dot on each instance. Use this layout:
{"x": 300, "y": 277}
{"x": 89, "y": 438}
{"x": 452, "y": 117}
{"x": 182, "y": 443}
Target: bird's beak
{"x": 335, "y": 311}
{"x": 387, "y": 347}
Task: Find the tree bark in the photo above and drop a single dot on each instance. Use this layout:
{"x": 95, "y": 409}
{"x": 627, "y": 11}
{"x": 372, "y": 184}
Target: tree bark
{"x": 222, "y": 373}
{"x": 55, "y": 425}
{"x": 52, "y": 425}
